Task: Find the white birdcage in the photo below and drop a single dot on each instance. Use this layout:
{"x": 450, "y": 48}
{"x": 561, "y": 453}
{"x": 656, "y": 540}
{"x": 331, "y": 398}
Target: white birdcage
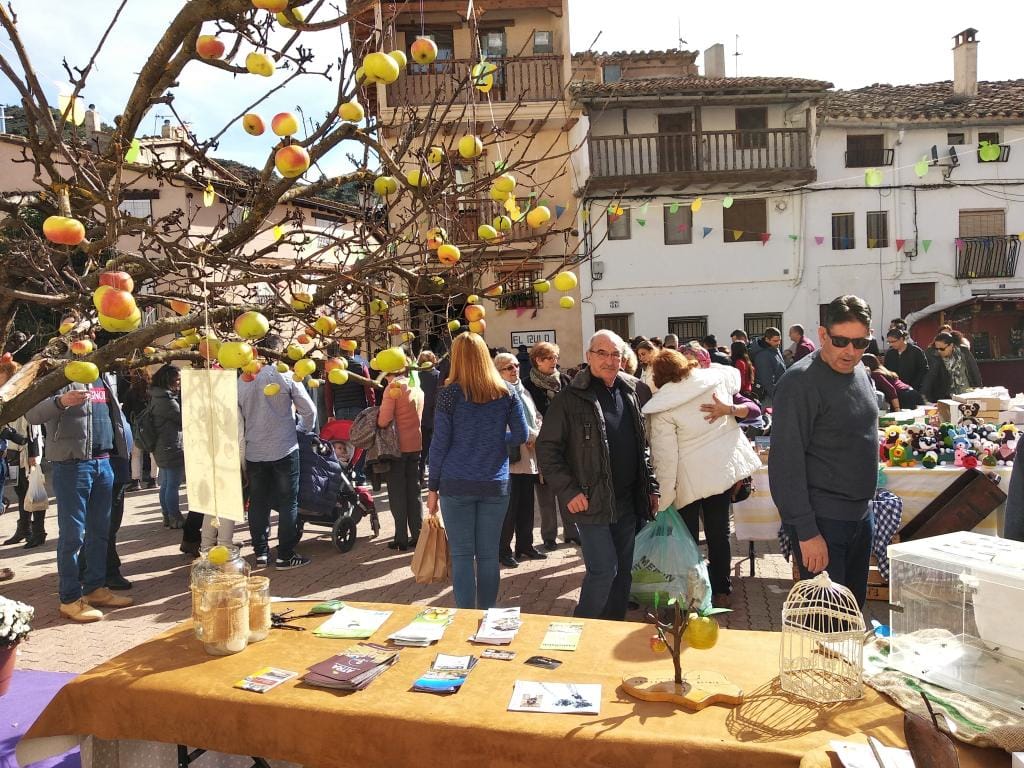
{"x": 822, "y": 655}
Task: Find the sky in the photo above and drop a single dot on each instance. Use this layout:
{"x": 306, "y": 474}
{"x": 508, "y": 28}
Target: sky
{"x": 870, "y": 41}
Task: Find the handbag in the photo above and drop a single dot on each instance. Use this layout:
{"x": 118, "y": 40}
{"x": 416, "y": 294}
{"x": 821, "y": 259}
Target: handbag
{"x": 36, "y": 497}
{"x": 742, "y": 489}
{"x": 432, "y": 561}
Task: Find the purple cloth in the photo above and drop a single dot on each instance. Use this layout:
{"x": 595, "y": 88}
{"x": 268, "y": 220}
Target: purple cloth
{"x": 28, "y": 696}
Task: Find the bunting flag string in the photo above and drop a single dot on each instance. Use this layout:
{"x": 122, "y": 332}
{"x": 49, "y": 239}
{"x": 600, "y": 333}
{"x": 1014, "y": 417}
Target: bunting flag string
{"x": 926, "y": 244}
{"x": 818, "y": 239}
{"x": 900, "y": 244}
{"x": 707, "y": 231}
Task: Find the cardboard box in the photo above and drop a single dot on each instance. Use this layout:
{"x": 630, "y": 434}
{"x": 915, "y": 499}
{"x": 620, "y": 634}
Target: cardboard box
{"x": 1013, "y": 416}
{"x": 988, "y": 399}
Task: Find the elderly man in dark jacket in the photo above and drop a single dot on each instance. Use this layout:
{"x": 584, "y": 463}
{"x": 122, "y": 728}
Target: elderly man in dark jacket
{"x": 593, "y": 451}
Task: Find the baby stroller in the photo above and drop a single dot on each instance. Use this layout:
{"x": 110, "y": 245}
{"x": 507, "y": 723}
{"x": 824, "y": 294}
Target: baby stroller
{"x": 327, "y": 494}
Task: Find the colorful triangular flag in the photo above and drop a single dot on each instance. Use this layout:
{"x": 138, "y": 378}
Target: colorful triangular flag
{"x": 681, "y": 228}
{"x": 819, "y": 239}
{"x": 925, "y": 245}
{"x": 794, "y": 238}
{"x": 641, "y": 222}
{"x": 959, "y": 243}
{"x": 707, "y": 231}
{"x": 900, "y": 244}
{"x": 674, "y": 208}
{"x": 520, "y": 311}
{"x": 737, "y": 234}
{"x": 559, "y": 210}
{"x": 765, "y": 237}
{"x": 871, "y": 242}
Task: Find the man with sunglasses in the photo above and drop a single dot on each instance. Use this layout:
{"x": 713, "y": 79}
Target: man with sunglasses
{"x": 823, "y": 465}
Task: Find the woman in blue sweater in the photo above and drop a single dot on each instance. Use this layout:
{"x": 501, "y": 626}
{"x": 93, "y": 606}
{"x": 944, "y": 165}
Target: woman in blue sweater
{"x": 475, "y": 419}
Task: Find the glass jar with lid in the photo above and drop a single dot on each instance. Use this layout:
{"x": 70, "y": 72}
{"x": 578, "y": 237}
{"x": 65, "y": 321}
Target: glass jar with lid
{"x": 220, "y": 599}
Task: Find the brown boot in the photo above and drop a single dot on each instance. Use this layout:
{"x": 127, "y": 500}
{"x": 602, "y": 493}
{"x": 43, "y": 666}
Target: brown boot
{"x": 103, "y": 597}
{"x": 80, "y": 611}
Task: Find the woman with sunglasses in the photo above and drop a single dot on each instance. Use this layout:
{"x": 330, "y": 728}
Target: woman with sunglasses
{"x": 477, "y": 416}
{"x": 953, "y": 369}
{"x": 522, "y": 468}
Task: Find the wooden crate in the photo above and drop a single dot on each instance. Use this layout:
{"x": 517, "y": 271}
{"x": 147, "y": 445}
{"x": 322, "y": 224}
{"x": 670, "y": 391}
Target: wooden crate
{"x": 960, "y": 507}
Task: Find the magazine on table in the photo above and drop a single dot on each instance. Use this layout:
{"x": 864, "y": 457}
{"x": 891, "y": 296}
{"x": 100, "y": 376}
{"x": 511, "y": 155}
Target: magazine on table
{"x": 428, "y": 627}
{"x": 265, "y": 679}
{"x": 556, "y": 698}
{"x": 350, "y": 622}
{"x": 498, "y": 627}
{"x": 446, "y": 674}
{"x": 562, "y": 636}
{"x": 353, "y": 669}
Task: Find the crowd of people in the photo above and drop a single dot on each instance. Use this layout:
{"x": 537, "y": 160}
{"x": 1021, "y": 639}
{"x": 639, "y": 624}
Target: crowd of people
{"x": 500, "y": 438}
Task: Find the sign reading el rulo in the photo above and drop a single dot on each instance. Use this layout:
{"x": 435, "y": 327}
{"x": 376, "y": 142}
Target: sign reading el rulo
{"x": 529, "y": 338}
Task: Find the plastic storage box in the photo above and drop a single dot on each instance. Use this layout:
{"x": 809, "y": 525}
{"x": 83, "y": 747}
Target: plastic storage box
{"x": 957, "y": 615}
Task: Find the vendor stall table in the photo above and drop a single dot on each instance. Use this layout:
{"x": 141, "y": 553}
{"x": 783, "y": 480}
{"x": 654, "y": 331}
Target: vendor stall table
{"x": 168, "y": 690}
{"x": 757, "y": 519}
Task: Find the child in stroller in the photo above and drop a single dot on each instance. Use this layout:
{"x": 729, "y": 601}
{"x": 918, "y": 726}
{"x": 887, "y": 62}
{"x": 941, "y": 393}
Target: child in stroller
{"x": 328, "y": 495}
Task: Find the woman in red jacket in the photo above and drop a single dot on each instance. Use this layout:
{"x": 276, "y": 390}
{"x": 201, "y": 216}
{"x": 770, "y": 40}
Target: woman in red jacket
{"x": 741, "y": 361}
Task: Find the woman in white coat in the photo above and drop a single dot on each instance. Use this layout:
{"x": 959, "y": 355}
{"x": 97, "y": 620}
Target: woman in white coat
{"x": 698, "y": 461}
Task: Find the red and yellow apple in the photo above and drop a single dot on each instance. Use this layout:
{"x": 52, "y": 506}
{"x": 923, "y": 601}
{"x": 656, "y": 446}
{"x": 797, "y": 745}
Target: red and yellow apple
{"x": 181, "y": 307}
{"x": 423, "y": 50}
{"x": 120, "y": 280}
{"x": 117, "y": 304}
{"x": 67, "y": 324}
{"x": 82, "y": 347}
{"x": 333, "y": 363}
{"x": 284, "y": 124}
{"x": 448, "y": 254}
{"x": 209, "y": 47}
{"x": 235, "y": 354}
{"x": 478, "y": 326}
{"x": 252, "y": 325}
{"x": 474, "y": 312}
{"x": 63, "y": 230}
{"x": 349, "y": 345}
{"x": 436, "y": 237}
{"x": 291, "y": 161}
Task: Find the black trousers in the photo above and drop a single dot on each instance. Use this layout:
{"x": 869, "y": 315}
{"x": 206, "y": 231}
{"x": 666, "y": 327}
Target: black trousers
{"x": 715, "y": 512}
{"x": 404, "y": 497}
{"x": 116, "y": 516}
{"x": 428, "y": 434}
{"x": 519, "y": 518}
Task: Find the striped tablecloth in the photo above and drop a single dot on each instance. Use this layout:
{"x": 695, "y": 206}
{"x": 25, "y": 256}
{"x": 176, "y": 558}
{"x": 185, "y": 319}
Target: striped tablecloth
{"x": 757, "y": 519}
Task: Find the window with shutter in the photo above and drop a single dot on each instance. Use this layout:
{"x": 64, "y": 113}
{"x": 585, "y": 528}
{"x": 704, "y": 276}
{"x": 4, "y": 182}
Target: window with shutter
{"x": 878, "y": 229}
{"x": 745, "y": 221}
{"x": 842, "y": 232}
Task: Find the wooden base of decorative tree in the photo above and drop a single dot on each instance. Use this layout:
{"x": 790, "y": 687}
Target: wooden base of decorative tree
{"x": 695, "y": 689}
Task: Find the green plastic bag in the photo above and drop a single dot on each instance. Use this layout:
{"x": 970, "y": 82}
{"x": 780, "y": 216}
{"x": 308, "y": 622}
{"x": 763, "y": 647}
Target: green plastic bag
{"x": 667, "y": 566}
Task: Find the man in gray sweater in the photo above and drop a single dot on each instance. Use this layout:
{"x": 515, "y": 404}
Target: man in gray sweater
{"x": 823, "y": 466}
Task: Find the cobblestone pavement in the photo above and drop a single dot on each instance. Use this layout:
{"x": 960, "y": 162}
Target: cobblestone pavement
{"x": 369, "y": 572}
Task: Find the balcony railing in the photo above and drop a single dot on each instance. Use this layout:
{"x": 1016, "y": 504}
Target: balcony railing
{"x": 465, "y": 215}
{"x": 980, "y": 257}
{"x": 647, "y": 154}
{"x": 529, "y": 78}
{"x": 869, "y": 158}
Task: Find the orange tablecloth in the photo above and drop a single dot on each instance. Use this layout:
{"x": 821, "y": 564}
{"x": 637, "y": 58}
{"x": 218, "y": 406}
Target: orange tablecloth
{"x": 169, "y": 690}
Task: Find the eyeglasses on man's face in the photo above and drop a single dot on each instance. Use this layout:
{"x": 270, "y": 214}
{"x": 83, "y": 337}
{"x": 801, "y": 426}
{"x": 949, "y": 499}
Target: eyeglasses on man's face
{"x": 606, "y": 355}
{"x": 941, "y": 349}
{"x": 845, "y": 341}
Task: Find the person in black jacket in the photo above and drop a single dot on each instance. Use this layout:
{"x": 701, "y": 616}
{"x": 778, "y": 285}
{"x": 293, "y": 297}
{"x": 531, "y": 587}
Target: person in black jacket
{"x": 953, "y": 370}
{"x": 593, "y": 451}
{"x": 169, "y": 453}
{"x": 905, "y": 358}
{"x": 544, "y": 381}
{"x": 430, "y": 380}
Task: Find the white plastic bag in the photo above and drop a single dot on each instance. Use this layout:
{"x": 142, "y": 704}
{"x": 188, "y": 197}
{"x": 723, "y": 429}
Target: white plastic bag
{"x": 36, "y": 498}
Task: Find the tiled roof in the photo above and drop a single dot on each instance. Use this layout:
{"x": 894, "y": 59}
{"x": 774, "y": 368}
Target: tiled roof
{"x": 928, "y": 102}
{"x": 635, "y": 55}
{"x": 681, "y": 86}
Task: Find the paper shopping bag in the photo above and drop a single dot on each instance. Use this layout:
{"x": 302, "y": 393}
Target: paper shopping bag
{"x": 429, "y": 563}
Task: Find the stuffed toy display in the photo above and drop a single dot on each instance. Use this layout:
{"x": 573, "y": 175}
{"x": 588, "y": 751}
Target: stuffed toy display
{"x": 968, "y": 443}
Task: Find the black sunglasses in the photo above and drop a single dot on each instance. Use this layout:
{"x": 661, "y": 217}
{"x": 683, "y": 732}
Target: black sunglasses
{"x": 843, "y": 341}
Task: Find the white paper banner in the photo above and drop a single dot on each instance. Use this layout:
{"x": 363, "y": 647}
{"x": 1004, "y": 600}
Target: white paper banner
{"x": 209, "y": 422}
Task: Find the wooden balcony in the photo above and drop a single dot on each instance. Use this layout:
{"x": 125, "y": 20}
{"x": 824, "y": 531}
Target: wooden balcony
{"x": 526, "y": 78}
{"x": 766, "y": 156}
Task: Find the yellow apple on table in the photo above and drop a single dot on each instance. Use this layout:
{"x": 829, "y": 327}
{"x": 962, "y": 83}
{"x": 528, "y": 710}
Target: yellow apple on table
{"x": 284, "y": 124}
{"x": 351, "y": 111}
{"x": 291, "y": 161}
{"x": 253, "y": 124}
{"x": 81, "y": 372}
{"x": 260, "y": 64}
{"x": 209, "y": 47}
{"x": 252, "y": 325}
{"x": 63, "y": 230}
{"x": 423, "y": 50}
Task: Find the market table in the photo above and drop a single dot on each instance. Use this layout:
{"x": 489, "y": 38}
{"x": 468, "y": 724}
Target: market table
{"x": 169, "y": 690}
{"x": 757, "y": 519}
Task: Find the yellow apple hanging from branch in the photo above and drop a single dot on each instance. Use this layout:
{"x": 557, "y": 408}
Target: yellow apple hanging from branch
{"x": 260, "y": 64}
{"x": 284, "y": 124}
{"x": 423, "y": 50}
{"x": 470, "y": 146}
{"x": 351, "y": 111}
{"x": 291, "y": 161}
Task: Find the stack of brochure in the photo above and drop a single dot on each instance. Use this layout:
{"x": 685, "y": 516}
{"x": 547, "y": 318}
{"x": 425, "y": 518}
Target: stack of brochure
{"x": 562, "y": 636}
{"x": 353, "y": 669}
{"x": 352, "y": 622}
{"x": 446, "y": 674}
{"x": 428, "y": 627}
{"x": 498, "y": 627}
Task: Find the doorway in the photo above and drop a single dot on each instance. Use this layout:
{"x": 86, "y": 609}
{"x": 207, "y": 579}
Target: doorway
{"x": 675, "y": 142}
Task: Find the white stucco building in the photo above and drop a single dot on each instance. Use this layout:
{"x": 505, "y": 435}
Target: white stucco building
{"x": 802, "y": 226}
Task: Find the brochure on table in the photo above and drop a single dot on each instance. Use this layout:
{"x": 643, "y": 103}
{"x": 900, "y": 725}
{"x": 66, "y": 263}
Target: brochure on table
{"x": 352, "y": 623}
{"x": 556, "y": 698}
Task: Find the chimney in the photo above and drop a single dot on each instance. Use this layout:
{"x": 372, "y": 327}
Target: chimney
{"x": 965, "y": 64}
{"x": 92, "y": 120}
{"x": 165, "y": 130}
{"x": 714, "y": 62}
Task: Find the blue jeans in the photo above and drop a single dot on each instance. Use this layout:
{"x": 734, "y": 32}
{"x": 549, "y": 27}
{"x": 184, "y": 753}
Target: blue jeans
{"x": 84, "y": 493}
{"x": 849, "y": 552}
{"x": 608, "y": 557}
{"x": 171, "y": 479}
{"x": 473, "y": 524}
{"x": 274, "y": 484}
